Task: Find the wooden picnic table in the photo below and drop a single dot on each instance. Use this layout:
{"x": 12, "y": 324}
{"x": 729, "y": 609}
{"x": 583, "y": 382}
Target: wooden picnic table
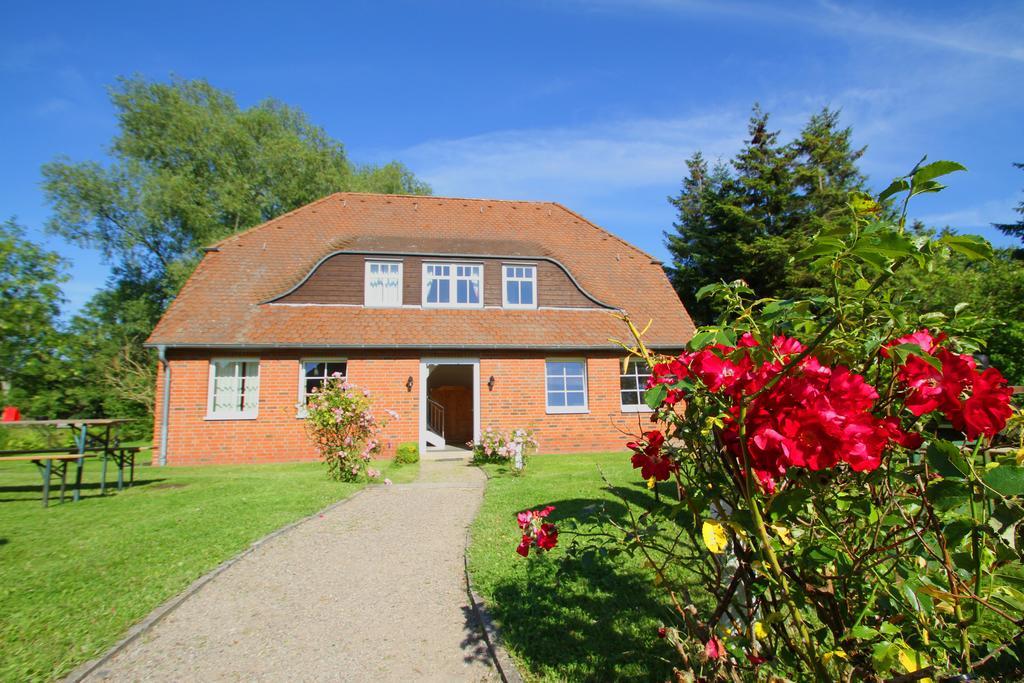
{"x": 93, "y": 437}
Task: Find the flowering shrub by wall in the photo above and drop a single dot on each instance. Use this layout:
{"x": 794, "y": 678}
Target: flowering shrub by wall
{"x": 837, "y": 486}
{"x": 512, "y": 447}
{"x": 341, "y": 422}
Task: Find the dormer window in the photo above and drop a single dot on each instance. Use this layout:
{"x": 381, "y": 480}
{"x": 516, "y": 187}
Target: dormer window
{"x": 383, "y": 285}
{"x": 453, "y": 285}
{"x": 519, "y": 286}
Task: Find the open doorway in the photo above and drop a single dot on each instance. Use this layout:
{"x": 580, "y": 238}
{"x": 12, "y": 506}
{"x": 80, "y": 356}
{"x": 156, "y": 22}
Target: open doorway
{"x": 450, "y": 404}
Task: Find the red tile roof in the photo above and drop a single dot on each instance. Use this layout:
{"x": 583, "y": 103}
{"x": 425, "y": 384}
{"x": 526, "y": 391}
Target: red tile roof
{"x": 223, "y": 303}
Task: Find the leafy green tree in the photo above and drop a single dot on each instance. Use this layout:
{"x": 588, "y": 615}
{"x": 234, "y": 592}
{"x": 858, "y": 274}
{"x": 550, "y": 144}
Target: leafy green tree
{"x": 188, "y": 167}
{"x": 30, "y": 280}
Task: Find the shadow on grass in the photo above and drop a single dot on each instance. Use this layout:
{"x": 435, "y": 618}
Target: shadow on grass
{"x": 594, "y": 623}
{"x": 89, "y": 490}
{"x": 593, "y": 619}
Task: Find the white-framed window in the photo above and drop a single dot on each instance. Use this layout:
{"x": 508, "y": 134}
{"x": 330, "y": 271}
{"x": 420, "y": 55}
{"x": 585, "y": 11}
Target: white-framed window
{"x": 566, "y": 385}
{"x": 633, "y": 385}
{"x": 453, "y": 285}
{"x": 313, "y": 372}
{"x": 383, "y": 284}
{"x": 519, "y": 285}
{"x": 234, "y": 390}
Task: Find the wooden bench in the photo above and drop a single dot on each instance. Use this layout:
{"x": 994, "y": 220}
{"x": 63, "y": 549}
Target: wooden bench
{"x": 45, "y": 461}
{"x": 121, "y": 455}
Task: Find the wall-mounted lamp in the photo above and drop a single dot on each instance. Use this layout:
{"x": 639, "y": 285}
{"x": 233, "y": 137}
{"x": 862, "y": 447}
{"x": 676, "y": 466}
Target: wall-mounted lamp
{"x": 408, "y": 384}
{"x": 490, "y": 383}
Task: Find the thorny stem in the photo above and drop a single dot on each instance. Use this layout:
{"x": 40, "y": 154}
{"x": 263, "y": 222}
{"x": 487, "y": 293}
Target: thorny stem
{"x": 768, "y": 552}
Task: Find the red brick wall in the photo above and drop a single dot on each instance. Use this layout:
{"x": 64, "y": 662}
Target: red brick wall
{"x": 518, "y": 401}
{"x": 277, "y": 435}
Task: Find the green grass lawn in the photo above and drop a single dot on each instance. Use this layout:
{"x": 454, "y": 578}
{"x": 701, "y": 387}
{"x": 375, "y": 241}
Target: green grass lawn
{"x": 74, "y": 577}
{"x": 594, "y": 622}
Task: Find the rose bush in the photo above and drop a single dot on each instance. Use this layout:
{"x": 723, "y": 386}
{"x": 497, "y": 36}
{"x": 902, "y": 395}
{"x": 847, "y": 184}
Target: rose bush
{"x": 512, "y": 447}
{"x": 341, "y": 422}
{"x": 839, "y": 489}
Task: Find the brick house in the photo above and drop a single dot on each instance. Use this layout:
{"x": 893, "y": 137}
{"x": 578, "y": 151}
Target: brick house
{"x": 459, "y": 314}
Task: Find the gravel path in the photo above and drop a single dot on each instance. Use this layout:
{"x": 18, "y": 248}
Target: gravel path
{"x": 371, "y": 590}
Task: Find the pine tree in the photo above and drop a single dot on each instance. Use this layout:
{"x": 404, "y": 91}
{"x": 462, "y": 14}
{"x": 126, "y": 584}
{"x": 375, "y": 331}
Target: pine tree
{"x": 825, "y": 173}
{"x": 746, "y": 219}
{"x": 1015, "y": 229}
{"x": 696, "y": 234}
{"x": 730, "y": 219}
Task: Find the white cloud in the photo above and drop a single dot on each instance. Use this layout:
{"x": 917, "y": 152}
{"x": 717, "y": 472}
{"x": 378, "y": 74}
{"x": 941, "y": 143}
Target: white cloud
{"x": 586, "y": 161}
{"x": 993, "y": 34}
{"x": 977, "y": 216}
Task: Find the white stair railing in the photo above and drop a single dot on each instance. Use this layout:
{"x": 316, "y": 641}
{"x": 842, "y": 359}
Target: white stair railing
{"x": 435, "y": 417}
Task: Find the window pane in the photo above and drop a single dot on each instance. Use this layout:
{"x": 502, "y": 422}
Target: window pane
{"x": 512, "y": 292}
{"x": 574, "y": 369}
{"x": 556, "y": 399}
{"x": 627, "y": 382}
{"x": 575, "y": 399}
{"x": 556, "y": 384}
{"x": 573, "y": 383}
{"x": 250, "y": 370}
{"x": 474, "y": 291}
{"x": 314, "y": 369}
{"x": 335, "y": 367}
{"x": 526, "y": 290}
{"x": 462, "y": 291}
{"x": 444, "y": 294}
{"x": 432, "y": 291}
{"x": 630, "y": 398}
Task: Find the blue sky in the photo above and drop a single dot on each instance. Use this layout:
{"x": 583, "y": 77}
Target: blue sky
{"x": 593, "y": 104}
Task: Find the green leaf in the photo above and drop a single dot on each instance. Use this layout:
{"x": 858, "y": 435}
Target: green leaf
{"x": 884, "y": 656}
{"x": 956, "y": 531}
{"x": 1009, "y": 597}
{"x": 704, "y": 336}
{"x": 707, "y": 290}
{"x": 726, "y": 336}
{"x": 896, "y": 186}
{"x": 863, "y": 632}
{"x": 789, "y": 503}
{"x": 945, "y": 458}
{"x": 889, "y": 629}
{"x": 893, "y": 244}
{"x": 1010, "y": 578}
{"x": 928, "y": 186}
{"x": 823, "y": 246}
{"x": 936, "y": 169}
{"x": 903, "y": 351}
{"x": 948, "y": 494}
{"x": 871, "y": 256}
{"x": 972, "y": 246}
{"x": 1006, "y": 479}
{"x": 1004, "y": 521}
{"x": 655, "y": 395}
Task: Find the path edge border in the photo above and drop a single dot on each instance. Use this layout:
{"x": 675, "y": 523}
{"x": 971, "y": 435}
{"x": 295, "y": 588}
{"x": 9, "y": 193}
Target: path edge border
{"x": 492, "y": 636}
{"x": 156, "y": 616}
